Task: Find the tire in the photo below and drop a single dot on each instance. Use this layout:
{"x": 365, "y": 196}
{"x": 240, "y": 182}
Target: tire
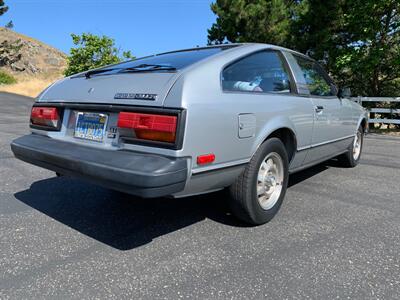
{"x": 244, "y": 200}
{"x": 351, "y": 158}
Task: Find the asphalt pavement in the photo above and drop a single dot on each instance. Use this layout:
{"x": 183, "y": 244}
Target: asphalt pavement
{"x": 337, "y": 235}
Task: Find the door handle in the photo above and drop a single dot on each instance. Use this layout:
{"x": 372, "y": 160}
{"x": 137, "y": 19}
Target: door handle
{"x": 319, "y": 108}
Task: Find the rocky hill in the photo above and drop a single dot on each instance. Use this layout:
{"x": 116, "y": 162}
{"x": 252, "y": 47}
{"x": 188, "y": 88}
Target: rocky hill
{"x": 33, "y": 63}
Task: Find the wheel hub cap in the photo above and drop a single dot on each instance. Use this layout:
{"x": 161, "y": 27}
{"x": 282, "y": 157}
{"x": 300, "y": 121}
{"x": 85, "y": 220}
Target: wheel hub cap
{"x": 270, "y": 180}
{"x": 357, "y": 145}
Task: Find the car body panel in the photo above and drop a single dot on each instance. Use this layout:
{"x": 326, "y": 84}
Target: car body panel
{"x": 103, "y": 88}
{"x": 230, "y": 125}
{"x": 333, "y": 123}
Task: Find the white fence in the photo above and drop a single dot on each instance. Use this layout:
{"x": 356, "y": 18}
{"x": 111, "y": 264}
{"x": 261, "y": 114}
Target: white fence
{"x": 386, "y": 111}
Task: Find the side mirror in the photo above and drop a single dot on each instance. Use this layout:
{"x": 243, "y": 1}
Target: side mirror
{"x": 344, "y": 92}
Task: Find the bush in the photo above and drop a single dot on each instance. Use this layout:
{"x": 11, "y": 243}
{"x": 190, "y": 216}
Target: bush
{"x": 92, "y": 51}
{"x": 7, "y": 78}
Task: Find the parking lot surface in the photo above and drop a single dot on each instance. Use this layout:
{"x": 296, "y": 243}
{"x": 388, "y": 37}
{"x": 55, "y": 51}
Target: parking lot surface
{"x": 336, "y": 236}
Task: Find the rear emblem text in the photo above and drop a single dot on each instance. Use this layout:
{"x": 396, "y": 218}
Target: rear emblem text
{"x": 134, "y": 96}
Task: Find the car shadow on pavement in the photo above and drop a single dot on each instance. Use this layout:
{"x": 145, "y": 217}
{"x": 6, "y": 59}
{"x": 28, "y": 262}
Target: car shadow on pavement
{"x": 120, "y": 220}
{"x": 123, "y": 221}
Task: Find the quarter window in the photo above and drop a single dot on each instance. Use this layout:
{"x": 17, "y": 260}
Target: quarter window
{"x": 259, "y": 72}
{"x": 314, "y": 78}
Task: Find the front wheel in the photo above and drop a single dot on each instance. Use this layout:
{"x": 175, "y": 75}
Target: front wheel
{"x": 258, "y": 192}
{"x": 351, "y": 158}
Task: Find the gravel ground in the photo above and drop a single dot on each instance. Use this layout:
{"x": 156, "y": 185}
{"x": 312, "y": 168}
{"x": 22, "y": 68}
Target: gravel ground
{"x": 336, "y": 236}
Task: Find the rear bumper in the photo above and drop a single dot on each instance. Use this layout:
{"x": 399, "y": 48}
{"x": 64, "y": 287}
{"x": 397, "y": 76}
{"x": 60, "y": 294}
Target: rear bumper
{"x": 141, "y": 174}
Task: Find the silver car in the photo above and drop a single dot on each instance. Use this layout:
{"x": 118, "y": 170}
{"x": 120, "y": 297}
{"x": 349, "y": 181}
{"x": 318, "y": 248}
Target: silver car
{"x": 237, "y": 116}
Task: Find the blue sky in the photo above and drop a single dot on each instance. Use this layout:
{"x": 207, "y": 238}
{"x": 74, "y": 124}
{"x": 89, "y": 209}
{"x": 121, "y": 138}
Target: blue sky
{"x": 142, "y": 26}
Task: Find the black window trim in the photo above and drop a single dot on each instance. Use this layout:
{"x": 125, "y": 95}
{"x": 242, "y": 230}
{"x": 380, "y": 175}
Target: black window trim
{"x": 293, "y": 87}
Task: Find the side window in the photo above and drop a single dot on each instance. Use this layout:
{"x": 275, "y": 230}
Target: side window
{"x": 314, "y": 78}
{"x": 259, "y": 72}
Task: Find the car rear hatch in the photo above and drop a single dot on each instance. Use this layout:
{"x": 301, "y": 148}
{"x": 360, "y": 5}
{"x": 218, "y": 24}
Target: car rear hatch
{"x": 120, "y": 106}
{"x": 142, "y": 89}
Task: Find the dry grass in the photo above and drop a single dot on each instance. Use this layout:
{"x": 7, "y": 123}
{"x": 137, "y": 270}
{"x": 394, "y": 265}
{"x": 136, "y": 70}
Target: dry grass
{"x": 29, "y": 87}
{"x": 386, "y": 131}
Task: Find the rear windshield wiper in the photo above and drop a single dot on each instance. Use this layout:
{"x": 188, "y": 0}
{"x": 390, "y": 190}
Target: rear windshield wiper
{"x": 148, "y": 67}
{"x": 88, "y": 74}
{"x": 138, "y": 68}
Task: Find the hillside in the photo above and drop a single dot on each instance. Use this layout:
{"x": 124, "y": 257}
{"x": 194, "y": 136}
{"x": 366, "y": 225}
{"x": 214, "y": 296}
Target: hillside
{"x": 35, "y": 65}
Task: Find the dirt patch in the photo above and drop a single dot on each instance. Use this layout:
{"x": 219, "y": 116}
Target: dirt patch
{"x": 390, "y": 132}
{"x": 35, "y": 65}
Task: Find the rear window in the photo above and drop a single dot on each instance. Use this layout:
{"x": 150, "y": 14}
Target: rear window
{"x": 177, "y": 59}
{"x": 263, "y": 71}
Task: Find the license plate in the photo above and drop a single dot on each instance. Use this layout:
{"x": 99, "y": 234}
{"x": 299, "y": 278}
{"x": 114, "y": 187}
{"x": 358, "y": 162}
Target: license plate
{"x": 90, "y": 126}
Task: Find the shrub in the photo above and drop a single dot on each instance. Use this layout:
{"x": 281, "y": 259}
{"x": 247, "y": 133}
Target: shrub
{"x": 6, "y": 78}
{"x": 91, "y": 51}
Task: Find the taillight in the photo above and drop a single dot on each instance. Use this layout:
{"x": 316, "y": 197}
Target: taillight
{"x": 143, "y": 126}
{"x": 45, "y": 116}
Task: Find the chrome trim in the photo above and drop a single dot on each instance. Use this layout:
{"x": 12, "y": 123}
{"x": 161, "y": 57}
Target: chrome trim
{"x": 324, "y": 143}
{"x": 220, "y": 166}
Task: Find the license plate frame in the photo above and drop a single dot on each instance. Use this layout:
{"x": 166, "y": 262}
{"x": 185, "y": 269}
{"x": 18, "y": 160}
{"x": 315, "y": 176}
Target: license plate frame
{"x": 90, "y": 126}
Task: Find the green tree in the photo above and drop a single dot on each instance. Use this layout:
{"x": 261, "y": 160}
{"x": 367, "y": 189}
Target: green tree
{"x": 262, "y": 21}
{"x": 371, "y": 59}
{"x": 92, "y": 52}
{"x": 3, "y": 8}
{"x": 357, "y": 40}
{"x": 316, "y": 28}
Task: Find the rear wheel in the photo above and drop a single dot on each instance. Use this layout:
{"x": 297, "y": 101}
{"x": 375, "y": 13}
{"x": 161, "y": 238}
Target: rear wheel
{"x": 257, "y": 194}
{"x": 351, "y": 158}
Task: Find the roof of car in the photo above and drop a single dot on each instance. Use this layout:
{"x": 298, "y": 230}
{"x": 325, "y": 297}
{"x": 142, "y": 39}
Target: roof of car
{"x": 231, "y": 45}
{"x": 277, "y": 48}
{"x": 234, "y": 45}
